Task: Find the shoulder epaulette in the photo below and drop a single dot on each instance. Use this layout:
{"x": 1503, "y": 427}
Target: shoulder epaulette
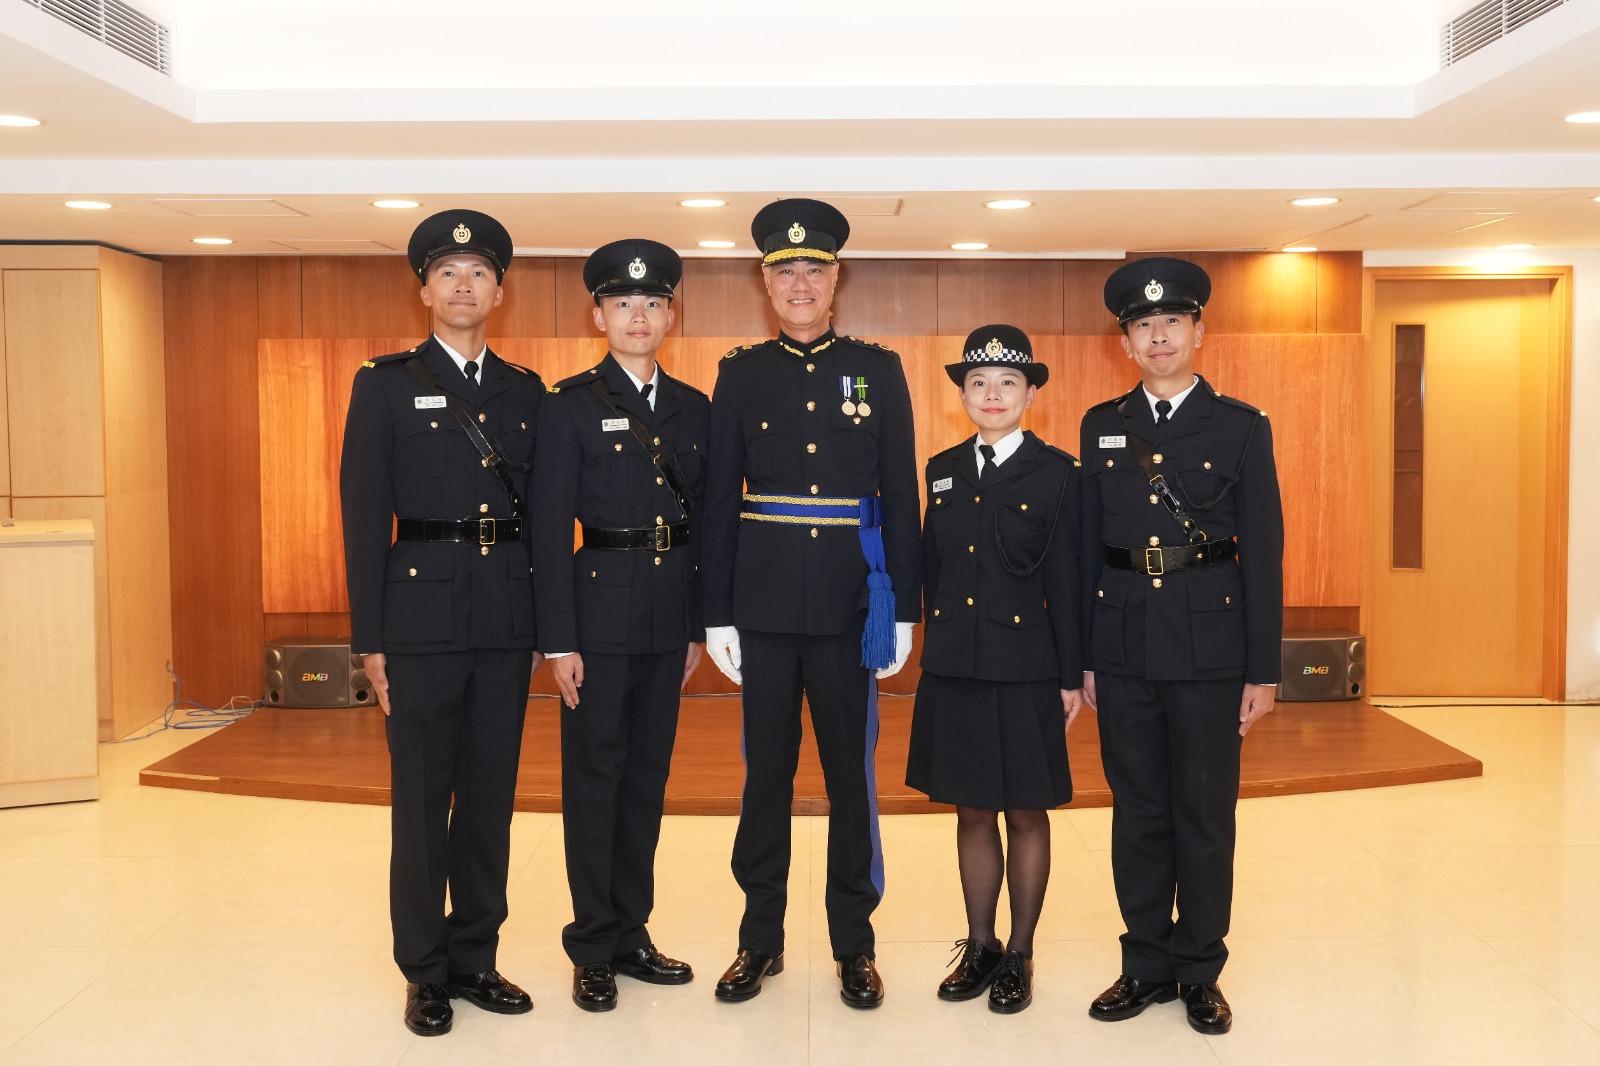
{"x": 1106, "y": 403}
{"x": 1241, "y": 405}
{"x": 519, "y": 368}
{"x": 1063, "y": 454}
{"x": 583, "y": 377}
{"x": 736, "y": 352}
{"x": 952, "y": 452}
{"x": 392, "y": 359}
{"x": 871, "y": 344}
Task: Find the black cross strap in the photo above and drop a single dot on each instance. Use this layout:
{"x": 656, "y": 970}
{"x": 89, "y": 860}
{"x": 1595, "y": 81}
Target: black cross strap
{"x": 644, "y": 436}
{"x": 493, "y": 460}
{"x": 1158, "y": 484}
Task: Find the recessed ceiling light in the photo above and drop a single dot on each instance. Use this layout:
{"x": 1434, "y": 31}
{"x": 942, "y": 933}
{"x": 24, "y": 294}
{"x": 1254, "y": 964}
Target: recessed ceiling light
{"x": 1314, "y": 201}
{"x": 19, "y": 121}
{"x": 968, "y": 246}
{"x": 1512, "y": 247}
{"x": 213, "y": 240}
{"x": 396, "y": 205}
{"x": 88, "y": 205}
{"x": 1007, "y": 205}
{"x": 703, "y": 201}
{"x": 1300, "y": 248}
{"x": 716, "y": 244}
{"x": 1584, "y": 118}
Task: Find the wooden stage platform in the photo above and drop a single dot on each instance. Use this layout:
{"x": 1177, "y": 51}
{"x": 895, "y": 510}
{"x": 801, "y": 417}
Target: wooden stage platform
{"x": 341, "y": 756}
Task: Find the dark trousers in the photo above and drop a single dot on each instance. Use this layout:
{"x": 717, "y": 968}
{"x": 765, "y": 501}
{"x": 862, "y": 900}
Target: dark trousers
{"x": 843, "y": 696}
{"x": 455, "y": 733}
{"x": 1171, "y": 753}
{"x": 616, "y": 748}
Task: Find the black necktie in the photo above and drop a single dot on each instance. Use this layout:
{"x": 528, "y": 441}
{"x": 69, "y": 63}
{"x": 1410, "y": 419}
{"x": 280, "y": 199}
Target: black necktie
{"x": 988, "y": 461}
{"x": 471, "y": 370}
{"x": 645, "y": 392}
{"x": 1163, "y": 412}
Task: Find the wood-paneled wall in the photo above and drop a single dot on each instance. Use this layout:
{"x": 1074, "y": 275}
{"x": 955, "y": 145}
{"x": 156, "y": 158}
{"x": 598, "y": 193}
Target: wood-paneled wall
{"x": 261, "y": 352}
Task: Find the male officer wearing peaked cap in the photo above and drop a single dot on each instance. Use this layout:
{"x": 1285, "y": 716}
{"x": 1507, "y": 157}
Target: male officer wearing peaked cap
{"x": 440, "y": 438}
{"x": 621, "y": 449}
{"x": 811, "y": 569}
{"x": 1183, "y": 562}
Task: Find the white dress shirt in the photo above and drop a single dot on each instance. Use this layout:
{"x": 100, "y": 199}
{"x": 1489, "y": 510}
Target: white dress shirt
{"x": 1175, "y": 401}
{"x": 1004, "y": 448}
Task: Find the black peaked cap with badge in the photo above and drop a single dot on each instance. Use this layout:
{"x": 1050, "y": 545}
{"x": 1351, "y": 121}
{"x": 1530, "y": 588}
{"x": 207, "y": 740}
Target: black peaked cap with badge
{"x": 998, "y": 345}
{"x": 1156, "y": 285}
{"x": 458, "y": 232}
{"x": 799, "y": 229}
{"x": 633, "y": 265}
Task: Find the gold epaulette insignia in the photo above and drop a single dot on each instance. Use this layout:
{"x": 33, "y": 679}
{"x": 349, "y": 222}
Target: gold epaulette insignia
{"x": 739, "y": 350}
{"x": 553, "y": 389}
{"x": 368, "y": 362}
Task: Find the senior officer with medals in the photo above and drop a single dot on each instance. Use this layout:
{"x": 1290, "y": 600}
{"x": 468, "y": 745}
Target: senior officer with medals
{"x": 440, "y": 438}
{"x": 810, "y": 568}
{"x": 621, "y": 450}
{"x": 1183, "y": 536}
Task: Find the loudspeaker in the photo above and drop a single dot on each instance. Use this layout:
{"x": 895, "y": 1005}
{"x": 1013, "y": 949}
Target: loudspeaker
{"x": 315, "y": 672}
{"x": 1323, "y": 664}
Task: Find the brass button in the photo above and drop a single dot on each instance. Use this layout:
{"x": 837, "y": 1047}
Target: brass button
{"x": 413, "y": 571}
{"x": 661, "y": 481}
{"x": 858, "y": 421}
{"x": 810, "y": 367}
{"x": 618, "y": 447}
{"x": 482, "y": 417}
{"x": 971, "y": 548}
{"x": 655, "y": 441}
{"x": 485, "y": 462}
{"x": 1110, "y": 462}
{"x": 1154, "y": 541}
{"x": 1154, "y": 498}
{"x": 969, "y": 601}
{"x": 977, "y": 499}
{"x": 594, "y": 573}
{"x": 1156, "y": 458}
{"x": 811, "y": 449}
{"x": 813, "y": 532}
{"x": 524, "y": 425}
{"x": 484, "y": 550}
{"x": 1101, "y": 593}
{"x": 1206, "y": 464}
{"x": 1227, "y": 599}
{"x": 936, "y": 612}
{"x": 1017, "y": 618}
{"x": 1024, "y": 507}
{"x": 656, "y": 560}
{"x": 815, "y": 489}
{"x": 1155, "y": 583}
{"x": 938, "y": 500}
{"x": 763, "y": 425}
{"x": 658, "y": 520}
{"x": 811, "y": 405}
{"x": 433, "y": 425}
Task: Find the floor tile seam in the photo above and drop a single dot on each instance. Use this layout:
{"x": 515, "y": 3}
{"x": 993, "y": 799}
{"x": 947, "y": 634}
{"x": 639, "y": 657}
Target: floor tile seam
{"x": 1488, "y": 942}
{"x": 191, "y": 901}
{"x": 88, "y": 984}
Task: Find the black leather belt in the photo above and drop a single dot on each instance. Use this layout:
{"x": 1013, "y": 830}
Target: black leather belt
{"x": 650, "y": 538}
{"x": 465, "y": 531}
{"x": 1158, "y": 561}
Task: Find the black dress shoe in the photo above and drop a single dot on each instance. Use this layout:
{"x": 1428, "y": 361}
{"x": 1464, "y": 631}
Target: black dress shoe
{"x": 1129, "y": 997}
{"x": 1209, "y": 1012}
{"x": 859, "y": 984}
{"x": 648, "y": 964}
{"x": 973, "y": 973}
{"x": 428, "y": 1010}
{"x": 743, "y": 979}
{"x": 1012, "y": 990}
{"x": 594, "y": 986}
{"x": 489, "y": 991}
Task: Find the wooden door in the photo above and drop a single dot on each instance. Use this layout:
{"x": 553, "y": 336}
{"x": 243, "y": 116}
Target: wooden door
{"x": 1461, "y": 420}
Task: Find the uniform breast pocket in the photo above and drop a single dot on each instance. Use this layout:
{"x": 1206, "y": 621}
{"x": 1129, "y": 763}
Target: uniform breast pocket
{"x": 417, "y": 596}
{"x": 691, "y": 467}
{"x": 604, "y": 584}
{"x": 1216, "y": 622}
{"x": 426, "y": 446}
{"x": 857, "y": 440}
{"x": 769, "y": 446}
{"x": 1020, "y": 533}
{"x": 1201, "y": 481}
{"x": 1122, "y": 485}
{"x": 516, "y": 439}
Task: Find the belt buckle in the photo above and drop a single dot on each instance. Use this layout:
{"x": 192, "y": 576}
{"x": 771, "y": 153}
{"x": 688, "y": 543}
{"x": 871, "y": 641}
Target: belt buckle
{"x": 486, "y": 524}
{"x": 1161, "y": 564}
{"x": 663, "y": 538}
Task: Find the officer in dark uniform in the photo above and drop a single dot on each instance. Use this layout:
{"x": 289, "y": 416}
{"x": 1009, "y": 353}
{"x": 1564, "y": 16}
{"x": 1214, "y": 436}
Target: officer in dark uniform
{"x": 621, "y": 450}
{"x": 440, "y": 437}
{"x": 1183, "y": 551}
{"x": 811, "y": 572}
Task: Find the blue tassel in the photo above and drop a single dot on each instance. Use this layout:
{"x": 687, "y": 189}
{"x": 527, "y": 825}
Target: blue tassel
{"x": 877, "y": 638}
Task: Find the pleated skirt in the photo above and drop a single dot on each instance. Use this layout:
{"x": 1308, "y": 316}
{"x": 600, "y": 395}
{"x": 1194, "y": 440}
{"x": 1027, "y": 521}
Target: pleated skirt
{"x": 999, "y": 745}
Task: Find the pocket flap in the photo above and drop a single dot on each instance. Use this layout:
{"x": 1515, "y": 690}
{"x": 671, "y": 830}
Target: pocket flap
{"x": 1016, "y": 613}
{"x": 1111, "y": 595}
{"x": 423, "y": 565}
{"x": 940, "y": 611}
{"x": 1212, "y": 598}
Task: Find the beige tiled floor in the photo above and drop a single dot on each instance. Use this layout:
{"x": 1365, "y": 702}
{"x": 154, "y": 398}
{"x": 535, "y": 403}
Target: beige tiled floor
{"x": 1448, "y": 923}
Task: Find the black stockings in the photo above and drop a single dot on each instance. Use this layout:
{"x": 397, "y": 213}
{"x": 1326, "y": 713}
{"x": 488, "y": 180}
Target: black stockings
{"x": 984, "y": 864}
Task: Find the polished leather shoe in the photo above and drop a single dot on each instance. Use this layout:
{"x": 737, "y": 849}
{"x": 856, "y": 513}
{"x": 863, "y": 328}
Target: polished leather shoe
{"x": 1129, "y": 997}
{"x": 1209, "y": 1012}
{"x": 973, "y": 973}
{"x": 489, "y": 991}
{"x": 648, "y": 964}
{"x": 1012, "y": 990}
{"x": 594, "y": 986}
{"x": 428, "y": 1010}
{"x": 743, "y": 979}
{"x": 859, "y": 983}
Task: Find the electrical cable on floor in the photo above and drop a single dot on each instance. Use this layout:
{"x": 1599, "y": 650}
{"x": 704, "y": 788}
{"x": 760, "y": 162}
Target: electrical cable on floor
{"x": 195, "y": 715}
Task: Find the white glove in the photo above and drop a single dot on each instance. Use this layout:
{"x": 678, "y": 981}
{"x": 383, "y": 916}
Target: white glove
{"x": 902, "y": 649}
{"x": 722, "y": 644}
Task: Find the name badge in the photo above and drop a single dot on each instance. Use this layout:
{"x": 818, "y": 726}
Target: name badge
{"x": 610, "y": 425}
{"x": 943, "y": 484}
{"x": 425, "y": 402}
{"x": 1114, "y": 442}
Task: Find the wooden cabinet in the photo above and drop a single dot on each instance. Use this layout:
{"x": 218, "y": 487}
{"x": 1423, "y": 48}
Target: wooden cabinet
{"x": 48, "y": 703}
{"x": 83, "y": 406}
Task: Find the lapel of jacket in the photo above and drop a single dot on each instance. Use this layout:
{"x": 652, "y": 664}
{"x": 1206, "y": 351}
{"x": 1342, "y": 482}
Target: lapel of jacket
{"x": 966, "y": 461}
{"x": 623, "y": 392}
{"x": 1020, "y": 463}
{"x": 1193, "y": 416}
{"x": 436, "y": 359}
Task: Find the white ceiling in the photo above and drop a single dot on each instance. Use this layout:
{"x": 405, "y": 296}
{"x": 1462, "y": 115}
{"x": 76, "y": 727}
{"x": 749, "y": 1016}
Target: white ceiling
{"x": 1110, "y": 166}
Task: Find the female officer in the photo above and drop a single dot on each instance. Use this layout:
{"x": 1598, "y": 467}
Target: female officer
{"x": 1001, "y": 663}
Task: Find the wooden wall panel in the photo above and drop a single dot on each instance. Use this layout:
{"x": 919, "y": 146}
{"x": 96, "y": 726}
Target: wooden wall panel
{"x": 5, "y": 432}
{"x": 1339, "y": 288}
{"x": 279, "y": 296}
{"x": 52, "y": 363}
{"x": 725, "y": 298}
{"x": 213, "y": 464}
{"x": 894, "y": 297}
{"x": 349, "y": 297}
{"x": 5, "y": 506}
{"x": 1028, "y": 294}
{"x": 529, "y": 308}
{"x": 1266, "y": 292}
{"x": 1085, "y": 311}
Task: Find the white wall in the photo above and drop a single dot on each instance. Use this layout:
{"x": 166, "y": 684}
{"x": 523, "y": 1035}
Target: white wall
{"x": 1583, "y": 531}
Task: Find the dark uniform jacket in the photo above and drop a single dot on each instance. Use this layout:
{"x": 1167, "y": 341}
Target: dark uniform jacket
{"x": 777, "y": 429}
{"x": 404, "y": 457}
{"x": 591, "y": 468}
{"x": 1209, "y": 622}
{"x": 984, "y": 620}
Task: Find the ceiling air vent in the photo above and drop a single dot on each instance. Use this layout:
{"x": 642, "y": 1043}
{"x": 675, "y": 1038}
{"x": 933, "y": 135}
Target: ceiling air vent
{"x": 116, "y": 25}
{"x": 1485, "y": 23}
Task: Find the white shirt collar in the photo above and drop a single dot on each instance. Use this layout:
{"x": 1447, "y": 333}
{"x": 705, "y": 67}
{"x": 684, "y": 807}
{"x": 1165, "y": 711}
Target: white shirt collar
{"x": 1004, "y": 448}
{"x": 1176, "y": 401}
{"x": 655, "y": 382}
{"x": 460, "y": 360}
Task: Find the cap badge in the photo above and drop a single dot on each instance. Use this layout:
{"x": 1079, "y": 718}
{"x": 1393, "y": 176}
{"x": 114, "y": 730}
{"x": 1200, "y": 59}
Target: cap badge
{"x": 994, "y": 349}
{"x": 1154, "y": 291}
{"x": 636, "y": 269}
{"x": 797, "y": 233}
{"x": 462, "y": 234}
